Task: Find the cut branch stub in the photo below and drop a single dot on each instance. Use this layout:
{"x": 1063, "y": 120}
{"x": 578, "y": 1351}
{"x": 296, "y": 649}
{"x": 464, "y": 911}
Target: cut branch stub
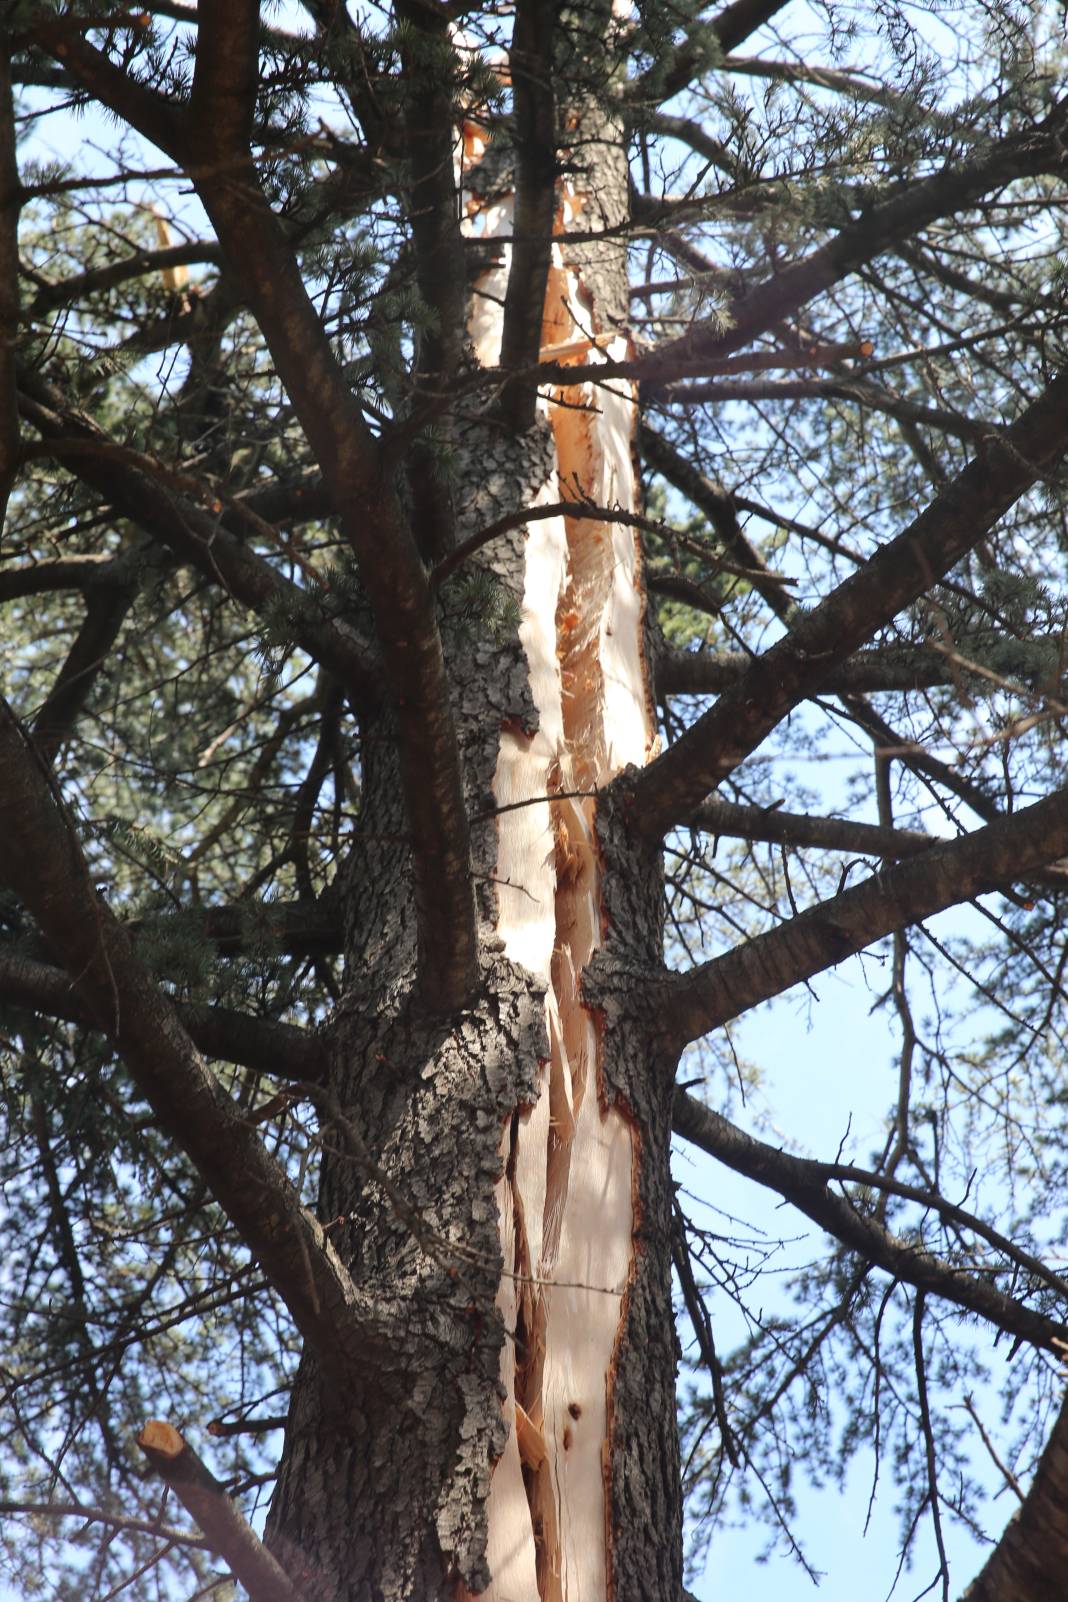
{"x": 225, "y": 1529}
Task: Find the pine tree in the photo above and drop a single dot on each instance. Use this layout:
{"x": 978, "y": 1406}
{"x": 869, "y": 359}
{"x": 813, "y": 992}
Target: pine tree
{"x": 459, "y": 463}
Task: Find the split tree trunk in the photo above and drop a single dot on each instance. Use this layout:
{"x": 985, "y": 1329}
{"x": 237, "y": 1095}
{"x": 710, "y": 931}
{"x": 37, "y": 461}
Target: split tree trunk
{"x": 522, "y": 1445}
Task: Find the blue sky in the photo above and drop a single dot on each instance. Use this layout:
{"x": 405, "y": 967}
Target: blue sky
{"x": 829, "y": 1067}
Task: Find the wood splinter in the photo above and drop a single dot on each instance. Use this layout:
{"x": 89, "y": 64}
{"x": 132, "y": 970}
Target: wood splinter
{"x": 225, "y": 1529}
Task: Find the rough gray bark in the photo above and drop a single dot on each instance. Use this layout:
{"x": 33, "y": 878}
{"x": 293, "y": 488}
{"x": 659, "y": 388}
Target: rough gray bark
{"x": 387, "y": 1498}
{"x": 1034, "y": 1544}
{"x": 397, "y": 1508}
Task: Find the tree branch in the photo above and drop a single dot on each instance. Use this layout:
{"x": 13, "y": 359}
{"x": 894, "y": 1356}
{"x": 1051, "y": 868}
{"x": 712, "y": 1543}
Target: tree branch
{"x": 100, "y": 1515}
{"x": 300, "y": 928}
{"x": 226, "y": 1531}
{"x": 889, "y": 743}
{"x": 799, "y": 829}
{"x": 862, "y": 391}
{"x": 106, "y": 611}
{"x": 698, "y": 139}
{"x": 837, "y": 834}
{"x": 1021, "y": 155}
{"x": 847, "y": 83}
{"x": 430, "y": 137}
{"x": 142, "y": 265}
{"x": 719, "y": 508}
{"x": 794, "y": 668}
{"x": 682, "y": 672}
{"x": 42, "y": 862}
{"x": 10, "y": 206}
{"x": 278, "y": 1049}
{"x": 363, "y": 494}
{"x": 806, "y": 1185}
{"x": 65, "y": 573}
{"x": 531, "y": 60}
{"x": 130, "y": 482}
{"x": 726, "y": 31}
{"x": 590, "y": 511}
{"x": 366, "y": 501}
{"x": 827, "y": 933}
{"x": 225, "y": 79}
{"x": 160, "y": 120}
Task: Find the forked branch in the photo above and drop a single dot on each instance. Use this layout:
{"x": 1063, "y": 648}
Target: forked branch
{"x": 1029, "y": 153}
{"x": 806, "y": 1185}
{"x": 215, "y": 152}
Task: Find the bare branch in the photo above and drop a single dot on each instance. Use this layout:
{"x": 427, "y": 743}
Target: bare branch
{"x": 430, "y": 138}
{"x": 862, "y": 391}
{"x": 143, "y": 108}
{"x": 142, "y": 265}
{"x": 531, "y": 60}
{"x": 847, "y": 83}
{"x": 65, "y": 573}
{"x": 10, "y": 206}
{"x": 666, "y": 791}
{"x": 806, "y": 1185}
{"x": 712, "y": 672}
{"x": 799, "y": 829}
{"x": 106, "y": 611}
{"x": 223, "y": 98}
{"x": 99, "y": 1515}
{"x": 827, "y": 933}
{"x": 1026, "y": 154}
{"x": 719, "y": 508}
{"x": 129, "y": 481}
{"x": 226, "y": 1429}
{"x": 590, "y": 512}
{"x": 362, "y": 490}
{"x": 366, "y": 501}
{"x": 698, "y": 139}
{"x": 726, "y": 31}
{"x": 278, "y": 1049}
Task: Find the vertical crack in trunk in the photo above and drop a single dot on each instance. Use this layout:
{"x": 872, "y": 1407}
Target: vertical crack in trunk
{"x": 566, "y": 1209}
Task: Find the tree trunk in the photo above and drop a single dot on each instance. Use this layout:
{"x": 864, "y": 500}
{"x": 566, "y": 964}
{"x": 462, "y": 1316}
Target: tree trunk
{"x": 512, "y": 1205}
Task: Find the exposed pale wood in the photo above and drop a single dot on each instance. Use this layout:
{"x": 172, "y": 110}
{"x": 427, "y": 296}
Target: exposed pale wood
{"x": 531, "y": 1440}
{"x": 176, "y": 275}
{"x": 510, "y": 1543}
{"x": 576, "y": 347}
{"x": 526, "y": 926}
{"x": 566, "y": 1210}
{"x": 158, "y": 1436}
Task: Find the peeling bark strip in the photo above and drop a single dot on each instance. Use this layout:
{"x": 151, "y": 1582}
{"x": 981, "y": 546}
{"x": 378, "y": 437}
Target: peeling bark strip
{"x": 566, "y": 1209}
